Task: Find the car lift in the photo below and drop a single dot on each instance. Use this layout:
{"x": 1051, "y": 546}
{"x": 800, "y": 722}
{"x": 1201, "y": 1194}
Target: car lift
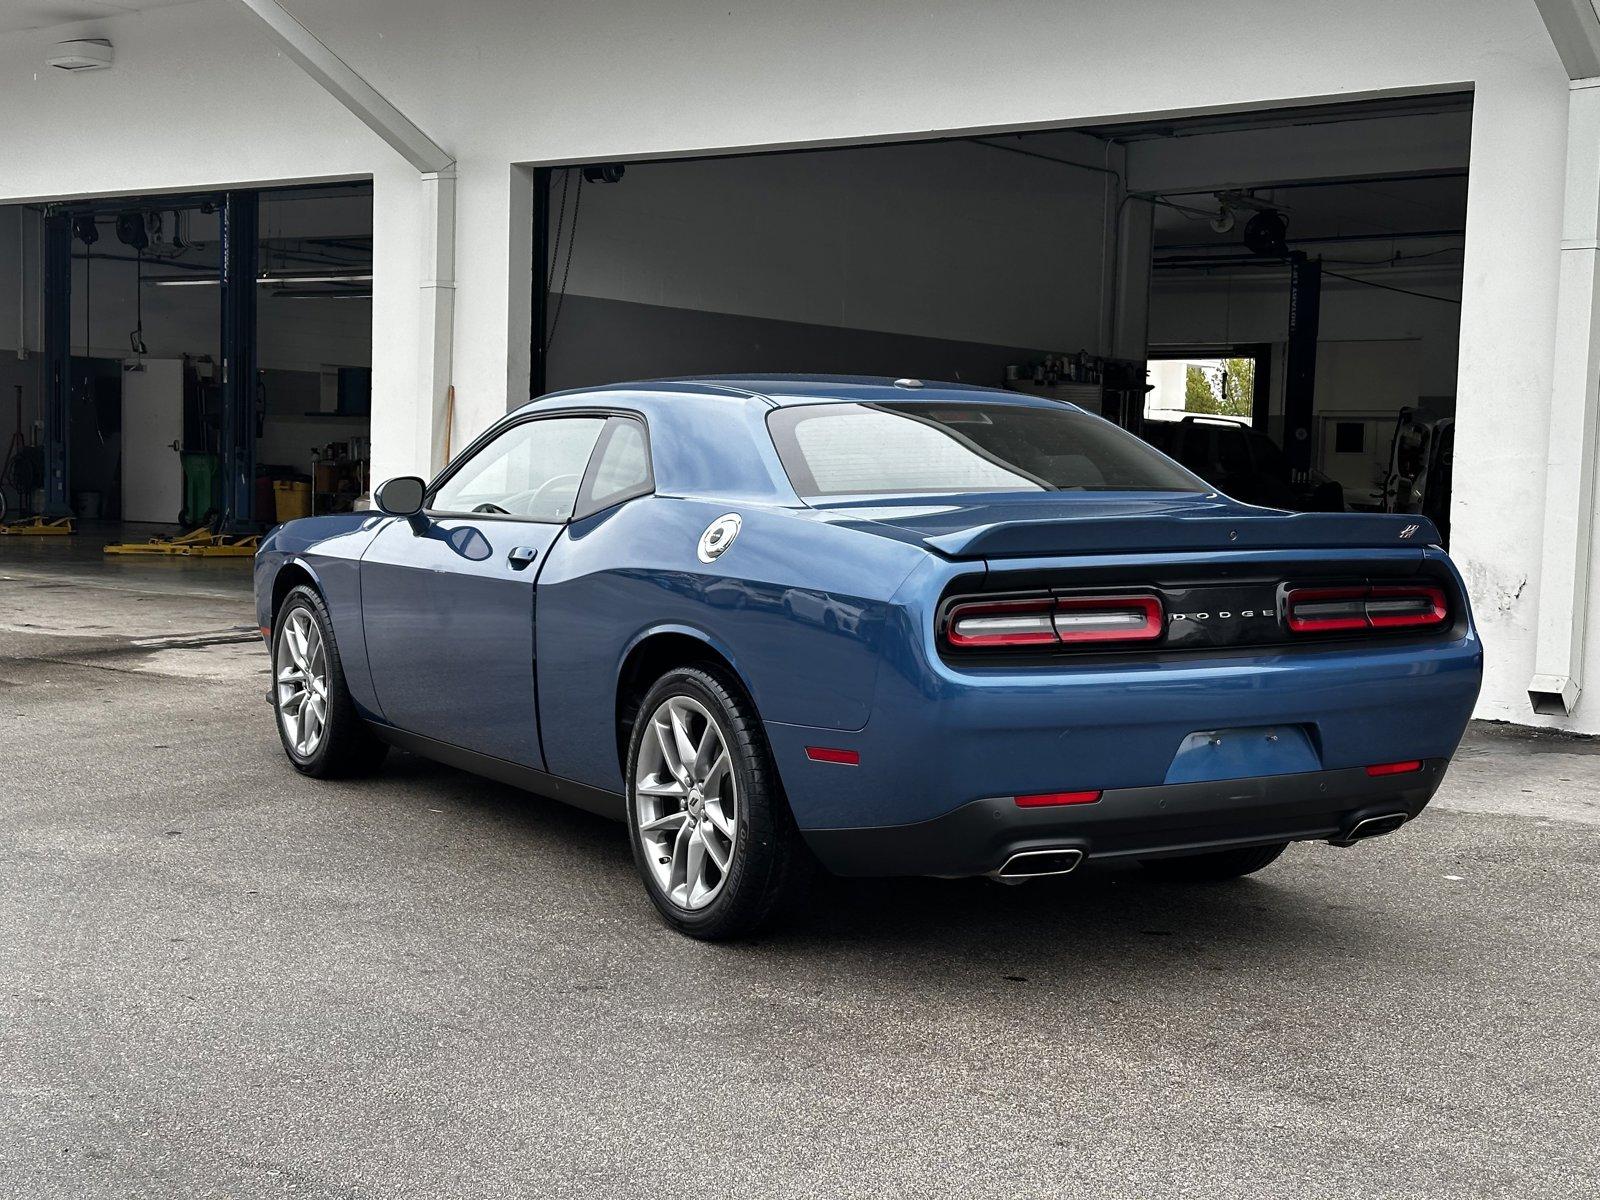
{"x": 234, "y": 533}
{"x": 39, "y": 527}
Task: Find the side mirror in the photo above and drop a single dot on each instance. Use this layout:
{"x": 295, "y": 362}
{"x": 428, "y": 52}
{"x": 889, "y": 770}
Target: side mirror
{"x": 400, "y": 497}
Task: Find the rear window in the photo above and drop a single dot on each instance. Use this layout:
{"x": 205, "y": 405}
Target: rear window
{"x": 898, "y": 448}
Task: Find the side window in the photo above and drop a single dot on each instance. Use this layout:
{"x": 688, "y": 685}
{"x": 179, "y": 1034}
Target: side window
{"x": 532, "y": 470}
{"x": 621, "y": 468}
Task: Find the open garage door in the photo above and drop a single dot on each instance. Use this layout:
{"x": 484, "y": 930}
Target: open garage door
{"x": 1272, "y": 297}
{"x": 199, "y": 361}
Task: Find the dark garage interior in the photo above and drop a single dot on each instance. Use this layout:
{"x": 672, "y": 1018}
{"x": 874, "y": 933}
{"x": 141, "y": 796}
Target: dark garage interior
{"x": 1027, "y": 261}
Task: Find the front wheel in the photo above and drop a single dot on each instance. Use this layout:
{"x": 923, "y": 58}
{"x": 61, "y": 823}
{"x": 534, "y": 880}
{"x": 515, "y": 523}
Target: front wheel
{"x": 322, "y": 733}
{"x": 712, "y": 835}
{"x": 1217, "y": 867}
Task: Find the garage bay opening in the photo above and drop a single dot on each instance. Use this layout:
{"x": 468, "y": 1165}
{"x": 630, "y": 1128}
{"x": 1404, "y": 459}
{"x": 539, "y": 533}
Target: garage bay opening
{"x": 1272, "y": 297}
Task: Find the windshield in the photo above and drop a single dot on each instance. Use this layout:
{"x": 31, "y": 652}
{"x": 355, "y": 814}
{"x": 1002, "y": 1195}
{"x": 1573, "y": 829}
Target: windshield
{"x": 898, "y": 448}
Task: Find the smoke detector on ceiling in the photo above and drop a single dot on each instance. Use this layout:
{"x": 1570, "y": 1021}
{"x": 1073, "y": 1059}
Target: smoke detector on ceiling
{"x": 89, "y": 54}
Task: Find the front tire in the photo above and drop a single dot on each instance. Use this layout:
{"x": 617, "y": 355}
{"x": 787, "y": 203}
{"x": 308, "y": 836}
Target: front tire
{"x": 321, "y": 731}
{"x": 711, "y": 831}
{"x": 1218, "y": 867}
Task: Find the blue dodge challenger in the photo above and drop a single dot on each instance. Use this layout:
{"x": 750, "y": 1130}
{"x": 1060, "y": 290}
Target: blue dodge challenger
{"x": 890, "y": 627}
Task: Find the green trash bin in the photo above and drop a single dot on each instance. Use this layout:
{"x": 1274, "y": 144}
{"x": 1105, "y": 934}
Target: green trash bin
{"x": 202, "y": 490}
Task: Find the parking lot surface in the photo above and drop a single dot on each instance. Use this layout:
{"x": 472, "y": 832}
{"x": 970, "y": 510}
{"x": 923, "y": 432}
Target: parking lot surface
{"x": 218, "y": 978}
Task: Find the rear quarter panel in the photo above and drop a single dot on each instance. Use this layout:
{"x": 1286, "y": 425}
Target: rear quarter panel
{"x": 799, "y": 606}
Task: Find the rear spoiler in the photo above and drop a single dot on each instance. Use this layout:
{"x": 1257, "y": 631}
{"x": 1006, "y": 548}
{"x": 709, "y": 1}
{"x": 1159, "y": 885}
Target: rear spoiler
{"x": 1138, "y": 535}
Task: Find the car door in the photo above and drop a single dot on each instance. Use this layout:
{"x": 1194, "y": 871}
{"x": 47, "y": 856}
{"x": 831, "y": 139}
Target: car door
{"x": 447, "y": 597}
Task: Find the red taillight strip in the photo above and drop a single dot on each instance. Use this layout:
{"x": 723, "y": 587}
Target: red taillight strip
{"x": 1056, "y": 620}
{"x": 1046, "y": 799}
{"x": 1328, "y": 610}
{"x": 829, "y": 754}
{"x": 1395, "y": 768}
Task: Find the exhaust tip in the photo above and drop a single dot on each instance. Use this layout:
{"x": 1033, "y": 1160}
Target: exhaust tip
{"x": 1371, "y": 827}
{"x": 1036, "y": 864}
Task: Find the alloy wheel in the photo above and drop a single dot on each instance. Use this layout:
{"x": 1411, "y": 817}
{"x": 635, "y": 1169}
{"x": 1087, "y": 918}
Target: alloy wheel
{"x": 686, "y": 802}
{"x": 301, "y": 674}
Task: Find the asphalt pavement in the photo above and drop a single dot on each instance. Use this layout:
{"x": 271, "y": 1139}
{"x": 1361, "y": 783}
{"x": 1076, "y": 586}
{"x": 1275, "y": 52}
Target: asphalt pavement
{"x": 219, "y": 979}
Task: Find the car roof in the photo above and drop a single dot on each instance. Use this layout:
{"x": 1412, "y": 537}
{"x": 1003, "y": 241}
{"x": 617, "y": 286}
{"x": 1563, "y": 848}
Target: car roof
{"x": 782, "y": 391}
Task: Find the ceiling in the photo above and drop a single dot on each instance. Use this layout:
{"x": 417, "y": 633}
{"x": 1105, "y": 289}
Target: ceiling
{"x": 1375, "y": 209}
{"x": 18, "y": 16}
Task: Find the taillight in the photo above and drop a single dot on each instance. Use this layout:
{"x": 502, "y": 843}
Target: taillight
{"x": 1328, "y": 610}
{"x": 1321, "y": 610}
{"x": 1053, "y": 621}
{"x": 1003, "y": 623}
{"x": 1404, "y": 607}
{"x": 1108, "y": 618}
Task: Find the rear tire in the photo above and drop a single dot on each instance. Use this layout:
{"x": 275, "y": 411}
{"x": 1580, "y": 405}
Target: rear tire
{"x": 321, "y": 731}
{"x": 1218, "y": 867}
{"x": 712, "y": 835}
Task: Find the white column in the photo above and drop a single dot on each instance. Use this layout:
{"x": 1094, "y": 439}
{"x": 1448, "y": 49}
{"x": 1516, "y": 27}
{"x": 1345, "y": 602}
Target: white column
{"x": 494, "y": 293}
{"x": 1563, "y": 613}
{"x": 1503, "y": 390}
{"x": 436, "y": 319}
{"x": 400, "y": 428}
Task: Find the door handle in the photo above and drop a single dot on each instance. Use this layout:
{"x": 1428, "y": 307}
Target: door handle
{"x": 521, "y": 556}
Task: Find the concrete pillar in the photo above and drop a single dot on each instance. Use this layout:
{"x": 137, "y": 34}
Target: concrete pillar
{"x": 1508, "y": 311}
{"x": 494, "y": 294}
{"x": 436, "y": 317}
{"x": 400, "y": 397}
{"x": 1563, "y": 613}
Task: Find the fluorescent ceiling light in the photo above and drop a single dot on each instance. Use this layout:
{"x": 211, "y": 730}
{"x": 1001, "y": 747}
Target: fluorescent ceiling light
{"x": 282, "y": 277}
{"x": 213, "y": 281}
{"x": 287, "y": 295}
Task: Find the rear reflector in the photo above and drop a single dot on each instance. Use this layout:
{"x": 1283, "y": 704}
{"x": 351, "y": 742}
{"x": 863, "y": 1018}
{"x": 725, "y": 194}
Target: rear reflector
{"x": 1046, "y": 799}
{"x": 1396, "y": 768}
{"x": 827, "y": 754}
{"x": 1328, "y": 610}
{"x": 1058, "y": 620}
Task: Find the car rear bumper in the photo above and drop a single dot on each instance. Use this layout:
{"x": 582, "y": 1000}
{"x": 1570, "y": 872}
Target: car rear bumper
{"x": 978, "y": 838}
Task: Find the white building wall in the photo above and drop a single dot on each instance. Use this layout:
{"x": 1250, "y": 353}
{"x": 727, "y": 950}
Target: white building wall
{"x": 200, "y": 98}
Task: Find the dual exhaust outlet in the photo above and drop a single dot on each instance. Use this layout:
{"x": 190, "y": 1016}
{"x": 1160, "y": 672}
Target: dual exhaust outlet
{"x": 1038, "y": 864}
{"x": 1063, "y": 860}
{"x": 1370, "y": 827}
